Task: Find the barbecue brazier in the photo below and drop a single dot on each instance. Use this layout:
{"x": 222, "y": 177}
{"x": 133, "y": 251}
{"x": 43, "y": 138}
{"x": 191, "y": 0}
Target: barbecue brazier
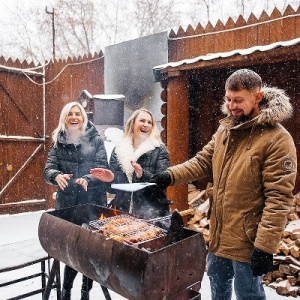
{"x": 150, "y": 270}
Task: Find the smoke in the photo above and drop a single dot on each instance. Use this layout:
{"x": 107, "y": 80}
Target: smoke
{"x": 73, "y": 135}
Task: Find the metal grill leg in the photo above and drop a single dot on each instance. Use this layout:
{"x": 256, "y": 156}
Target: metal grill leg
{"x": 105, "y": 292}
{"x": 53, "y": 273}
{"x": 43, "y": 275}
{"x": 58, "y": 282}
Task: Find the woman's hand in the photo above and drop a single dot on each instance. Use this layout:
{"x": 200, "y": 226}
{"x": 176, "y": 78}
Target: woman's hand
{"x": 137, "y": 168}
{"x": 82, "y": 182}
{"x": 62, "y": 180}
{"x": 104, "y": 175}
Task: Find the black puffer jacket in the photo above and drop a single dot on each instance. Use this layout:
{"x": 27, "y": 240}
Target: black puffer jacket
{"x": 78, "y": 159}
{"x": 153, "y": 156}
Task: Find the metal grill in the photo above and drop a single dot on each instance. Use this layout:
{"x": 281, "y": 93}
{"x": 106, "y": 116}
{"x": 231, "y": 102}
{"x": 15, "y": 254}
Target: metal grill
{"x": 127, "y": 229}
{"x": 153, "y": 269}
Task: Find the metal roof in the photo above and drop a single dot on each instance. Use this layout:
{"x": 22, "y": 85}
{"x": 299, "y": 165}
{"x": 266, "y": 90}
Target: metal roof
{"x": 214, "y": 56}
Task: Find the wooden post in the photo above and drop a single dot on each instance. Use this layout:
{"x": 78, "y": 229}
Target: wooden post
{"x": 178, "y": 134}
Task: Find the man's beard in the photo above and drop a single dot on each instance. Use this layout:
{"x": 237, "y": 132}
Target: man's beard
{"x": 243, "y": 118}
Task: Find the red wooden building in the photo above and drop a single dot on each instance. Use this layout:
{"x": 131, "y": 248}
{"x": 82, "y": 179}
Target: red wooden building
{"x": 200, "y": 61}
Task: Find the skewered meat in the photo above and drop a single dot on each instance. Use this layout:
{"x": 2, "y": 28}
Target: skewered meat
{"x": 124, "y": 228}
{"x": 148, "y": 234}
{"x": 127, "y": 229}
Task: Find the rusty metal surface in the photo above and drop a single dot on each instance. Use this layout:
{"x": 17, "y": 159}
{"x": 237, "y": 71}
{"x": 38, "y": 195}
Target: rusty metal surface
{"x": 150, "y": 270}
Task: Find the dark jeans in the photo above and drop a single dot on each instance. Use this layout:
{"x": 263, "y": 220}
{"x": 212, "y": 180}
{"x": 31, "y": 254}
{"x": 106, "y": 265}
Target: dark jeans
{"x": 221, "y": 272}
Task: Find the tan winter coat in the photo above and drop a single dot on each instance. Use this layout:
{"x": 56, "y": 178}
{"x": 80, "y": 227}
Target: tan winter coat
{"x": 253, "y": 166}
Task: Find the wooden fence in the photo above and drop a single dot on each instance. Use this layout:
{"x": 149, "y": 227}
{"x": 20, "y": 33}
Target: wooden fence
{"x": 31, "y": 100}
{"x": 234, "y": 35}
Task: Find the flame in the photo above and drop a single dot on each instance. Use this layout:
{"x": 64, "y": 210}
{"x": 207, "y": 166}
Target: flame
{"x": 115, "y": 211}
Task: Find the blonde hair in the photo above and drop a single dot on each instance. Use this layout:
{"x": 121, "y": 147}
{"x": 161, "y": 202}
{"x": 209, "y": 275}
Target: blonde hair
{"x": 62, "y": 120}
{"x": 128, "y": 131}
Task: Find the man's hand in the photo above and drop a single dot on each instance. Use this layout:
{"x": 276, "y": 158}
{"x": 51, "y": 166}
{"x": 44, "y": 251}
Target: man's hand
{"x": 162, "y": 179}
{"x": 261, "y": 262}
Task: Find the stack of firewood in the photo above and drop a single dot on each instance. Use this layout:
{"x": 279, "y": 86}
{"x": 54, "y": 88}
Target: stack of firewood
{"x": 199, "y": 203}
{"x": 286, "y": 275}
{"x": 285, "y": 278}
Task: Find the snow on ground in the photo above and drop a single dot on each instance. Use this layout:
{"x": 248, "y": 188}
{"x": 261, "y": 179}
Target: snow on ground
{"x": 24, "y": 226}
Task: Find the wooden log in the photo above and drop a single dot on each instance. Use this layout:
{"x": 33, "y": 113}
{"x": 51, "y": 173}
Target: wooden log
{"x": 186, "y": 212}
{"x": 268, "y": 278}
{"x": 294, "y": 269}
{"x": 295, "y": 251}
{"x": 195, "y": 219}
{"x": 282, "y": 287}
{"x": 279, "y": 279}
{"x": 191, "y": 187}
{"x": 295, "y": 234}
{"x": 293, "y": 291}
{"x": 196, "y": 227}
{"x": 292, "y": 210}
{"x": 297, "y": 276}
{"x": 286, "y": 234}
{"x": 283, "y": 247}
{"x": 297, "y": 201}
{"x": 202, "y": 208}
{"x": 195, "y": 196}
{"x": 277, "y": 273}
{"x": 288, "y": 259}
{"x": 284, "y": 269}
{"x": 288, "y": 241}
{"x": 204, "y": 222}
{"x": 292, "y": 280}
{"x": 294, "y": 216}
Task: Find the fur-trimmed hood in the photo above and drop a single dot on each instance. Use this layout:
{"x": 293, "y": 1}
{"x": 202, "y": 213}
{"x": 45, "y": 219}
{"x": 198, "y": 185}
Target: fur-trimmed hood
{"x": 275, "y": 107}
{"x": 125, "y": 153}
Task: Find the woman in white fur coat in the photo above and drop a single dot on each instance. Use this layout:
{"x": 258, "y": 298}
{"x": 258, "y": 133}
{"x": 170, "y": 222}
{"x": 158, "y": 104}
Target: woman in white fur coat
{"x": 139, "y": 155}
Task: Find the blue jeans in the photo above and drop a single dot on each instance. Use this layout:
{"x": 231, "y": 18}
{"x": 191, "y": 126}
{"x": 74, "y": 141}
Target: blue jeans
{"x": 221, "y": 272}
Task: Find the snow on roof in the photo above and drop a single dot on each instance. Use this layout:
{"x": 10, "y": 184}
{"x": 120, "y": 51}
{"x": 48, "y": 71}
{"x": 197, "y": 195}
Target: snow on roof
{"x": 212, "y": 56}
{"x": 109, "y": 96}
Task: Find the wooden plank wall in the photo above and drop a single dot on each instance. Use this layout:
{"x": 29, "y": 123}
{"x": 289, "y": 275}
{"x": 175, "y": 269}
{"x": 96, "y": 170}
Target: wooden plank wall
{"x": 21, "y": 113}
{"x": 242, "y": 34}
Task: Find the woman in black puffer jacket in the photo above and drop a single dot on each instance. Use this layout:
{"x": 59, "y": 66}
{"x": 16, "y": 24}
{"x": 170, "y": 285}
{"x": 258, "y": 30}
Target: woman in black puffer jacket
{"x": 76, "y": 148}
{"x": 136, "y": 158}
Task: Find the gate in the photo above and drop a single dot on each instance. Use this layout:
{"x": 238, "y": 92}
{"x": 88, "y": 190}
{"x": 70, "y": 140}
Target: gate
{"x": 22, "y": 137}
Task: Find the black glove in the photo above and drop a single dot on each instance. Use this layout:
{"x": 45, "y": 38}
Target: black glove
{"x": 261, "y": 262}
{"x": 162, "y": 179}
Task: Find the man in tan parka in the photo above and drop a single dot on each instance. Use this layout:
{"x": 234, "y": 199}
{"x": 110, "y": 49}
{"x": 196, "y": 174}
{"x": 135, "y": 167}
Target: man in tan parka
{"x": 252, "y": 160}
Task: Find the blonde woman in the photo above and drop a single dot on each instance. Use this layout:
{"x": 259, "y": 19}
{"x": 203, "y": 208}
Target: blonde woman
{"x": 76, "y": 148}
{"x": 139, "y": 155}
